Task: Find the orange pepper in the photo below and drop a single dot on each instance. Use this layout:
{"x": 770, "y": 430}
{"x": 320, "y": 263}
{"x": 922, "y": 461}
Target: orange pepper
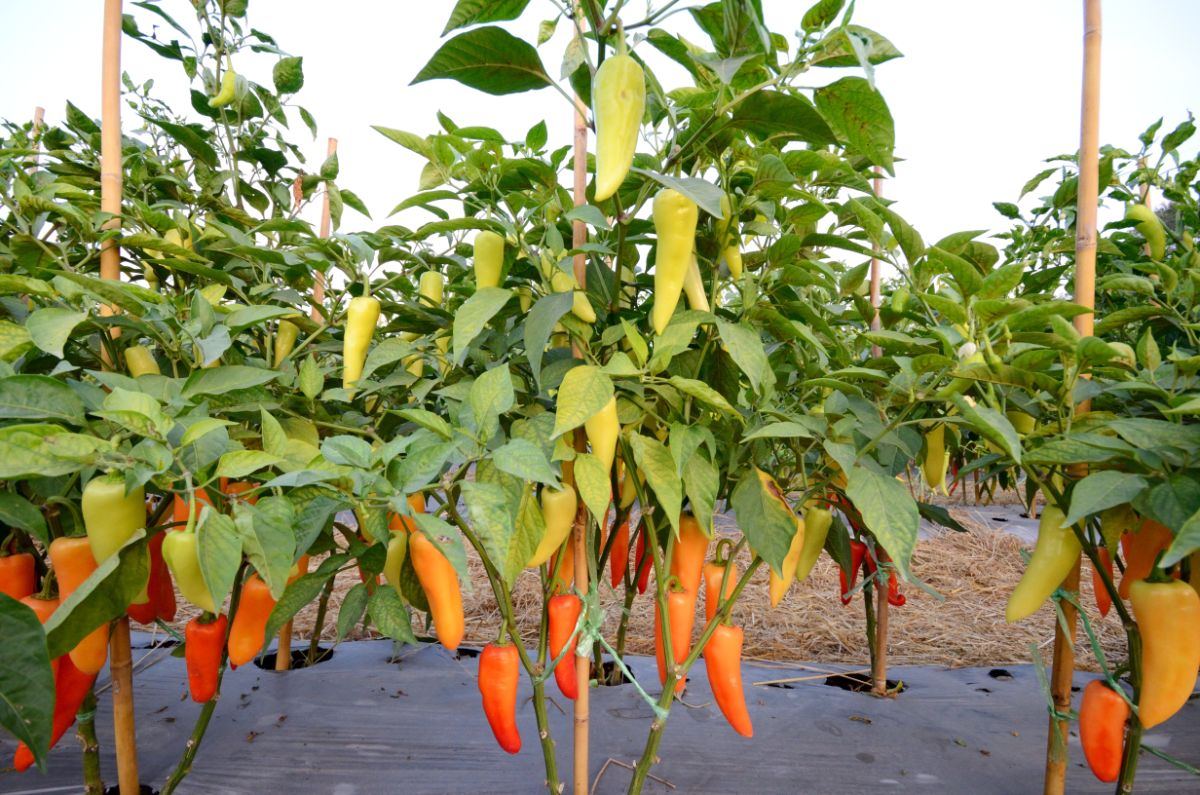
{"x": 1141, "y": 550}
{"x": 73, "y": 563}
{"x": 564, "y": 611}
{"x": 618, "y": 554}
{"x": 17, "y": 575}
{"x": 250, "y": 621}
{"x": 723, "y": 662}
{"x": 1102, "y": 717}
{"x": 440, "y": 583}
{"x": 681, "y": 610}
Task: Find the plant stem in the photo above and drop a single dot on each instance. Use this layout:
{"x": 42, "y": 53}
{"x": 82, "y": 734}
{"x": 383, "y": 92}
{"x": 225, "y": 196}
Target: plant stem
{"x": 85, "y": 730}
{"x": 1133, "y": 739}
{"x": 314, "y": 643}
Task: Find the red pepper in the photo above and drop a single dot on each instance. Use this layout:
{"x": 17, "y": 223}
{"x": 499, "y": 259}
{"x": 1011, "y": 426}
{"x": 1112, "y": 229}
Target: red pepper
{"x": 858, "y": 554}
{"x": 1103, "y": 599}
{"x": 1102, "y": 717}
{"x": 618, "y": 554}
{"x": 71, "y": 687}
{"x": 202, "y": 652}
{"x": 498, "y": 675}
{"x": 644, "y": 562}
{"x": 17, "y": 576}
{"x": 564, "y": 613}
{"x": 894, "y": 597}
{"x": 161, "y": 604}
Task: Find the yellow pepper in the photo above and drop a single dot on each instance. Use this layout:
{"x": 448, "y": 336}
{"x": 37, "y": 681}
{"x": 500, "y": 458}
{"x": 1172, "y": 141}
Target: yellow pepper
{"x": 489, "y": 259}
{"x": 361, "y": 317}
{"x": 140, "y": 361}
{"x": 558, "y": 509}
{"x": 728, "y": 241}
{"x": 603, "y": 428}
{"x": 619, "y": 99}
{"x": 675, "y": 217}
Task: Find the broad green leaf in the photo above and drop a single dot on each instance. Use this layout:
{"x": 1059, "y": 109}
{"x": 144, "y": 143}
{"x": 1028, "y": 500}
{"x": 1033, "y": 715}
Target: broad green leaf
{"x": 655, "y": 462}
{"x": 746, "y": 350}
{"x": 993, "y": 426}
{"x": 288, "y": 75}
{"x": 299, "y": 593}
{"x": 240, "y": 463}
{"x": 593, "y": 485}
{"x": 50, "y": 328}
{"x": 700, "y": 482}
{"x": 224, "y": 379}
{"x": 26, "y": 679}
{"x": 860, "y": 117}
{"x": 706, "y": 195}
{"x": 202, "y": 427}
{"x": 781, "y": 117}
{"x": 583, "y": 392}
{"x": 474, "y": 314}
{"x": 525, "y": 460}
{"x": 474, "y": 12}
{"x": 964, "y": 273}
{"x": 390, "y": 616}
{"x": 539, "y": 324}
{"x": 488, "y": 59}
{"x": 1101, "y": 490}
{"x": 490, "y": 396}
{"x": 764, "y": 516}
{"x": 39, "y": 397}
{"x": 20, "y": 513}
{"x": 705, "y": 394}
{"x": 29, "y": 450}
{"x": 219, "y": 549}
{"x": 888, "y": 511}
{"x": 269, "y": 538}
{"x": 354, "y": 606}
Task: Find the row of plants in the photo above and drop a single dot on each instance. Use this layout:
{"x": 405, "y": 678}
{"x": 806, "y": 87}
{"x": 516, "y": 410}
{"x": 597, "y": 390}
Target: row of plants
{"x": 455, "y": 382}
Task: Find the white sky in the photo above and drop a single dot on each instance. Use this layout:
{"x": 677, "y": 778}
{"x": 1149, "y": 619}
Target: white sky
{"x": 985, "y": 91}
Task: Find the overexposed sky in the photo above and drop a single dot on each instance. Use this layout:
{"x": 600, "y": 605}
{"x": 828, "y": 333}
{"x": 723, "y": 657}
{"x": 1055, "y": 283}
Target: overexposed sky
{"x": 985, "y": 91}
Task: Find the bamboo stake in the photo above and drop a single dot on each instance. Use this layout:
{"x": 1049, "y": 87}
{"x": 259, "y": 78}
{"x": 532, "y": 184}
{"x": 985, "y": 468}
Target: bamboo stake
{"x": 319, "y": 285}
{"x": 39, "y": 114}
{"x": 877, "y": 183}
{"x": 879, "y": 660}
{"x": 120, "y": 665}
{"x": 583, "y": 667}
{"x": 1085, "y": 295}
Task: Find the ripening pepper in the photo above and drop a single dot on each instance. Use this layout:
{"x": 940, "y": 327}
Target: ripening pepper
{"x": 182, "y": 554}
{"x": 643, "y": 562}
{"x": 933, "y": 465}
{"x": 1150, "y": 227}
{"x": 250, "y": 621}
{"x": 858, "y": 554}
{"x": 71, "y": 687}
{"x": 779, "y": 584}
{"x": 180, "y": 508}
{"x": 489, "y": 259}
{"x": 440, "y": 583}
{"x": 203, "y": 644}
{"x": 675, "y": 217}
{"x": 111, "y": 515}
{"x": 581, "y": 307}
{"x": 603, "y": 429}
{"x": 563, "y": 614}
{"x": 625, "y": 484}
{"x": 619, "y": 100}
{"x": 361, "y": 317}
{"x": 1022, "y": 423}
{"x": 431, "y": 288}
{"x": 1141, "y": 549}
{"x": 1167, "y": 615}
{"x": 1103, "y": 598}
{"x": 959, "y": 385}
{"x": 894, "y": 597}
{"x": 723, "y": 662}
{"x": 1055, "y": 553}
{"x": 498, "y": 676}
{"x": 227, "y": 92}
{"x": 558, "y": 510}
{"x": 681, "y": 611}
{"x": 693, "y": 287}
{"x": 235, "y": 489}
{"x": 817, "y": 522}
{"x": 714, "y": 574}
{"x": 687, "y": 561}
{"x": 562, "y": 573}
{"x": 1102, "y": 717}
{"x": 618, "y": 554}
{"x": 160, "y": 589}
{"x": 73, "y": 563}
{"x": 285, "y": 341}
{"x": 397, "y": 551}
{"x": 140, "y": 361}
{"x": 727, "y": 239}
{"x": 17, "y": 576}
{"x": 524, "y": 299}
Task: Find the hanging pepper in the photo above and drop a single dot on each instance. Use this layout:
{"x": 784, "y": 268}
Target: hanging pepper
{"x": 933, "y": 465}
{"x": 242, "y": 490}
{"x": 618, "y": 554}
{"x": 644, "y": 563}
{"x": 1167, "y": 615}
{"x": 1103, "y": 714}
{"x": 489, "y": 259}
{"x": 1103, "y": 599}
{"x": 397, "y": 551}
{"x": 498, "y": 676}
{"x": 687, "y": 561}
{"x": 285, "y": 341}
{"x": 71, "y": 686}
{"x": 603, "y": 428}
{"x": 1141, "y": 549}
{"x": 73, "y": 563}
{"x": 110, "y": 514}
{"x": 723, "y": 662}
{"x": 1150, "y": 227}
{"x": 161, "y": 604}
{"x": 558, "y": 510}
{"x": 693, "y": 287}
{"x": 675, "y": 217}
{"x": 361, "y": 317}
{"x": 778, "y": 585}
{"x": 681, "y": 610}
{"x": 727, "y": 239}
{"x": 858, "y": 554}
{"x": 619, "y": 100}
{"x": 227, "y": 92}
{"x": 625, "y": 485}
{"x": 179, "y": 508}
{"x": 894, "y": 597}
{"x": 140, "y": 361}
{"x": 203, "y": 643}
{"x": 563, "y": 574}
{"x": 563, "y": 611}
{"x": 17, "y": 576}
{"x": 181, "y": 552}
{"x": 440, "y": 583}
{"x": 1055, "y": 553}
{"x": 714, "y": 573}
{"x": 817, "y": 522}
{"x": 431, "y": 288}
{"x": 250, "y": 621}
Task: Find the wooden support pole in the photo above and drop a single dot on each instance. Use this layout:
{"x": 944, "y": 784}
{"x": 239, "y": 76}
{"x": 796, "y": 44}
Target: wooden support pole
{"x": 1063, "y": 668}
{"x": 879, "y": 663}
{"x": 323, "y": 231}
{"x": 120, "y": 657}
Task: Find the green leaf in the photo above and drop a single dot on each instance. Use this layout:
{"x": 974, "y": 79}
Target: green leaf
{"x": 525, "y": 460}
{"x": 492, "y": 515}
{"x": 474, "y": 314}
{"x": 860, "y": 117}
{"x": 704, "y": 393}
{"x": 288, "y": 75}
{"x": 965, "y": 275}
{"x": 299, "y": 593}
{"x": 103, "y": 596}
{"x": 655, "y": 462}
{"x": 583, "y": 392}
{"x": 888, "y": 511}
{"x": 992, "y": 425}
{"x": 225, "y": 379}
{"x": 311, "y": 381}
{"x": 1002, "y": 281}
{"x": 782, "y": 117}
{"x": 593, "y": 485}
{"x": 780, "y": 430}
{"x": 219, "y": 550}
{"x": 706, "y": 195}
{"x": 1101, "y": 490}
{"x": 700, "y": 482}
{"x": 746, "y": 349}
{"x": 202, "y": 427}
{"x": 269, "y": 537}
{"x": 14, "y": 341}
{"x": 247, "y": 316}
{"x": 240, "y": 463}
{"x": 764, "y": 517}
{"x": 28, "y": 450}
{"x": 539, "y": 324}
{"x": 821, "y": 14}
{"x": 490, "y": 396}
{"x": 39, "y": 397}
{"x": 488, "y": 59}
{"x": 354, "y": 605}
{"x": 50, "y": 328}
{"x": 390, "y": 616}
{"x": 474, "y": 12}
{"x": 26, "y": 679}
{"x": 1170, "y": 503}
{"x": 347, "y": 450}
{"x": 20, "y": 513}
